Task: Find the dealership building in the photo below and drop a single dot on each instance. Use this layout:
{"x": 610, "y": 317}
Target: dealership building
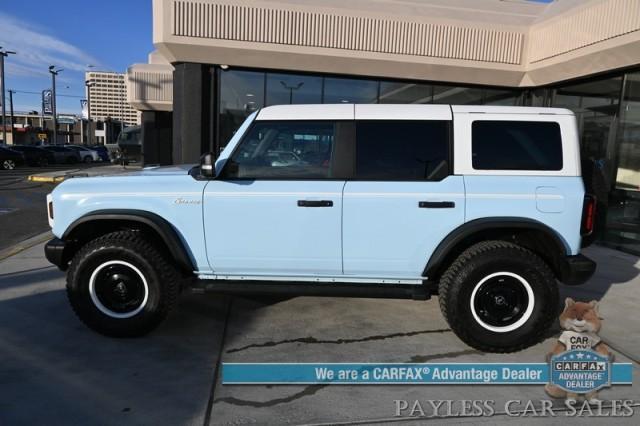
{"x": 217, "y": 61}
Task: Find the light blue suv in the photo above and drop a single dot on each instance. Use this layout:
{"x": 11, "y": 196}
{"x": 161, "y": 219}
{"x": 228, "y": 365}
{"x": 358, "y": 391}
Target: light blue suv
{"x": 483, "y": 206}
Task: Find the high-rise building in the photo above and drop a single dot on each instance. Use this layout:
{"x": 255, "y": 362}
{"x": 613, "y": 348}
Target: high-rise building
{"x": 108, "y": 94}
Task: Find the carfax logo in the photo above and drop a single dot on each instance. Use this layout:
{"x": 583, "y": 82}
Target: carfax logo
{"x": 580, "y": 371}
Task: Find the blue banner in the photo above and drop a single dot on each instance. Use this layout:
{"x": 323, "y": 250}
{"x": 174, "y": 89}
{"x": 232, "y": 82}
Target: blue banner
{"x": 415, "y": 374}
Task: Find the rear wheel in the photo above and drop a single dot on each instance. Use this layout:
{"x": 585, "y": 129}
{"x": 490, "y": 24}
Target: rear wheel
{"x": 43, "y": 161}
{"x": 88, "y": 159}
{"x": 499, "y": 297}
{"x": 8, "y": 164}
{"x": 121, "y": 285}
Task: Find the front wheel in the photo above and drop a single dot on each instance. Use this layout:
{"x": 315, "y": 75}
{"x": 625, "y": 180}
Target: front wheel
{"x": 121, "y": 285}
{"x": 8, "y": 164}
{"x": 499, "y": 297}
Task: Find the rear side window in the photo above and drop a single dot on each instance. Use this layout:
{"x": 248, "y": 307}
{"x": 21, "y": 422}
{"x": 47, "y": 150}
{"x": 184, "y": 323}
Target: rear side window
{"x": 516, "y": 145}
{"x": 402, "y": 150}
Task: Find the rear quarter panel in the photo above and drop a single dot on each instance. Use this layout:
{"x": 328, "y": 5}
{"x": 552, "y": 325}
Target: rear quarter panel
{"x": 554, "y": 201}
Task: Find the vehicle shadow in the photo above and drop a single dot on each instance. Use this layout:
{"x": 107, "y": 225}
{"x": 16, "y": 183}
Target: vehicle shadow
{"x": 614, "y": 267}
{"x": 53, "y": 367}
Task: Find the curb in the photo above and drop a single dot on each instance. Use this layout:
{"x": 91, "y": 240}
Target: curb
{"x": 52, "y": 177}
{"x": 24, "y": 245}
{"x": 49, "y": 179}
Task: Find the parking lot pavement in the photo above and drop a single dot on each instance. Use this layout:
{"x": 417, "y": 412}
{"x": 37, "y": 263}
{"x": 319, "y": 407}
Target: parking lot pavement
{"x": 52, "y": 367}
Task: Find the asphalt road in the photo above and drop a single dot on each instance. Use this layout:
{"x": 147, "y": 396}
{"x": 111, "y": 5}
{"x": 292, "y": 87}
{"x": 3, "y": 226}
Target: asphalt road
{"x": 53, "y": 370}
{"x": 23, "y": 203}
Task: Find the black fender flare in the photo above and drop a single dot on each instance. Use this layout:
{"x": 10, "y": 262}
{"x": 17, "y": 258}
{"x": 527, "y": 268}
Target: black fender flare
{"x": 467, "y": 229}
{"x": 161, "y": 226}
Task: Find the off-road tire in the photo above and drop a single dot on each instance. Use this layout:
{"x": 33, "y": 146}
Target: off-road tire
{"x": 467, "y": 272}
{"x": 162, "y": 280}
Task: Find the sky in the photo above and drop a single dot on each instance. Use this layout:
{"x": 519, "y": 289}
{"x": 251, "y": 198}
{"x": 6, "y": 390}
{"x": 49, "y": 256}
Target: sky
{"x": 71, "y": 34}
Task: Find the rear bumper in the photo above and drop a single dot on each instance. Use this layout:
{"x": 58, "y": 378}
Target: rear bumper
{"x": 54, "y": 252}
{"x": 576, "y": 270}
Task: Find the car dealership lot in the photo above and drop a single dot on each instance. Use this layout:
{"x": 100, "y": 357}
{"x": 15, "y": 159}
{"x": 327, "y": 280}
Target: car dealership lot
{"x": 52, "y": 367}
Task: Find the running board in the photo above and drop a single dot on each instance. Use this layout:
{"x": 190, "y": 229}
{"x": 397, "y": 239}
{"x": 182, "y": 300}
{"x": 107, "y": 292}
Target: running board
{"x": 245, "y": 287}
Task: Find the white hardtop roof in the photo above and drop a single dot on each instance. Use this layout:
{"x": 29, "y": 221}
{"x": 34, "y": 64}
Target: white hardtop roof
{"x": 392, "y": 111}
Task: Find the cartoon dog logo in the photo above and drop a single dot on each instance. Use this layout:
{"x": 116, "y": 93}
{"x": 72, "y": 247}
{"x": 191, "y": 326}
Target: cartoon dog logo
{"x": 581, "y": 323}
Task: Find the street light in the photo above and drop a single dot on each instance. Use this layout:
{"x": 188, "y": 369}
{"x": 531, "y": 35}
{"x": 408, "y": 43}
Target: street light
{"x": 54, "y": 72}
{"x": 291, "y": 89}
{"x": 89, "y": 84}
{"x": 4, "y": 54}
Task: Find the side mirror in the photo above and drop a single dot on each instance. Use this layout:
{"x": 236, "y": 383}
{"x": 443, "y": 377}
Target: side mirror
{"x": 207, "y": 168}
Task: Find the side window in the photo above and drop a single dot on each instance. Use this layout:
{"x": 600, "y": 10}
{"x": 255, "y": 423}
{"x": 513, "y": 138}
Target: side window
{"x": 284, "y": 149}
{"x": 516, "y": 145}
{"x": 402, "y": 150}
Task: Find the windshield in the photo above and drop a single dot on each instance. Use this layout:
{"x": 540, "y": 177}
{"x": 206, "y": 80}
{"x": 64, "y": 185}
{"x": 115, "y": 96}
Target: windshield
{"x": 130, "y": 136}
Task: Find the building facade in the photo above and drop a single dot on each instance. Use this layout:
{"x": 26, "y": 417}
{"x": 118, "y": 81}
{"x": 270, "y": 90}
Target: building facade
{"x": 107, "y": 92}
{"x": 217, "y": 61}
{"x": 29, "y": 128}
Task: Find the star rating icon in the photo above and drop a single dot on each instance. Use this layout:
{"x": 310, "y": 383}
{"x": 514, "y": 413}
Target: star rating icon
{"x": 580, "y": 355}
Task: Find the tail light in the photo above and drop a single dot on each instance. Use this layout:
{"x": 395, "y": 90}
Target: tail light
{"x": 588, "y": 215}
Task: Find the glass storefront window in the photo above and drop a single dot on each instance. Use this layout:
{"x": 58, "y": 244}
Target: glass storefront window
{"x": 241, "y": 93}
{"x": 353, "y": 91}
{"x": 501, "y": 97}
{"x": 456, "y": 95}
{"x": 293, "y": 89}
{"x": 595, "y": 105}
{"x": 405, "y": 93}
{"x": 623, "y": 219}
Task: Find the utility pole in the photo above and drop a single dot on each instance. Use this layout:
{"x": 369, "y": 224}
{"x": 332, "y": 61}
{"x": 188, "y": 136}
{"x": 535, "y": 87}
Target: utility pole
{"x": 54, "y": 72}
{"x": 11, "y": 92}
{"x": 89, "y": 84}
{"x": 4, "y": 54}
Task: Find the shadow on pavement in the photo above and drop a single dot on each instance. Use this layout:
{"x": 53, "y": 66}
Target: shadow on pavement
{"x": 53, "y": 367}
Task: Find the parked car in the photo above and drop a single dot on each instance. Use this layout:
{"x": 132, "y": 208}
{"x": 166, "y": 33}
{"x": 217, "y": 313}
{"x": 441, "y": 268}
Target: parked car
{"x": 86, "y": 155}
{"x": 102, "y": 151}
{"x": 382, "y": 201}
{"x": 63, "y": 155}
{"x": 35, "y": 156}
{"x": 10, "y": 159}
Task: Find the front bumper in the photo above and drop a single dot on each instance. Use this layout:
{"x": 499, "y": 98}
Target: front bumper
{"x": 576, "y": 270}
{"x": 54, "y": 252}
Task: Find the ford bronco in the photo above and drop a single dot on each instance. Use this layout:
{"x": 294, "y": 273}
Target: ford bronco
{"x": 483, "y": 206}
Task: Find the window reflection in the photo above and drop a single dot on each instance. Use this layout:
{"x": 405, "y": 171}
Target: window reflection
{"x": 346, "y": 90}
{"x": 241, "y": 93}
{"x": 405, "y": 93}
{"x": 623, "y": 219}
{"x": 293, "y": 89}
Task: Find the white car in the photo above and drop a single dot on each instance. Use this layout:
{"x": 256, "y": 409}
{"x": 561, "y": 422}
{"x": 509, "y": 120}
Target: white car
{"x": 87, "y": 155}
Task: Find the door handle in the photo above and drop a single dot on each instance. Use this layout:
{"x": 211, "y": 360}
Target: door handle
{"x": 436, "y": 204}
{"x": 314, "y": 203}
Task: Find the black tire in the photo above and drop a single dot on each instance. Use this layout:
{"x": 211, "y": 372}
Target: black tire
{"x": 485, "y": 297}
{"x": 88, "y": 159}
{"x": 43, "y": 162}
{"x": 151, "y": 271}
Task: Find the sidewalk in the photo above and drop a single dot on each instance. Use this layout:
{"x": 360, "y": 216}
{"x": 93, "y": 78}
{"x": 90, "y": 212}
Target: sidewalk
{"x": 60, "y": 175}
